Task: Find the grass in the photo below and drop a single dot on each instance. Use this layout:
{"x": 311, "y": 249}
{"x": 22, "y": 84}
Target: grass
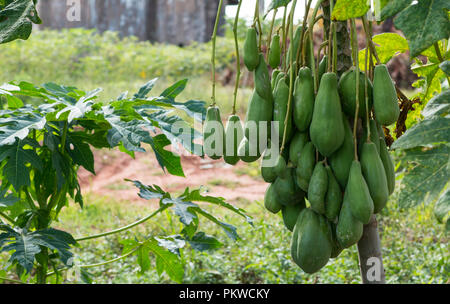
{"x": 415, "y": 248}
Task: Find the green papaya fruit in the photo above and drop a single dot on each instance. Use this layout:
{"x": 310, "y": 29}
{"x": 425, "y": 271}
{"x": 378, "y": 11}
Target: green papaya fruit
{"x": 275, "y": 52}
{"x": 311, "y": 245}
{"x": 303, "y": 99}
{"x": 279, "y": 76}
{"x": 285, "y": 189}
{"x": 317, "y": 189}
{"x": 268, "y": 165}
{"x": 297, "y": 44}
{"x": 262, "y": 80}
{"x": 388, "y": 165}
{"x": 348, "y": 230}
{"x": 373, "y": 171}
{"x": 274, "y": 77}
{"x": 251, "y": 53}
{"x": 296, "y": 145}
{"x": 290, "y": 214}
{"x": 347, "y": 92}
{"x": 380, "y": 130}
{"x": 305, "y": 166}
{"x": 270, "y": 200}
{"x": 358, "y": 195}
{"x": 336, "y": 247}
{"x": 233, "y": 137}
{"x": 281, "y": 99}
{"x": 341, "y": 160}
{"x": 333, "y": 198}
{"x": 323, "y": 66}
{"x": 259, "y": 115}
{"x": 374, "y": 136}
{"x": 248, "y": 151}
{"x": 385, "y": 101}
{"x": 213, "y": 134}
{"x": 280, "y": 166}
{"x": 327, "y": 127}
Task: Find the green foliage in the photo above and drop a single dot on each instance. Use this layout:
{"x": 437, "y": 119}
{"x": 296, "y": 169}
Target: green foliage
{"x": 16, "y": 19}
{"x": 423, "y": 23}
{"x": 346, "y": 9}
{"x": 276, "y": 4}
{"x": 388, "y": 45}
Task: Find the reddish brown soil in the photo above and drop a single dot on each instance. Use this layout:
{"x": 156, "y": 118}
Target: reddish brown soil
{"x": 220, "y": 179}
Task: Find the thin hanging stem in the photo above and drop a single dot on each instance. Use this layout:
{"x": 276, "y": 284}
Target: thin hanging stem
{"x": 311, "y": 43}
{"x": 369, "y": 33}
{"x": 366, "y": 87}
{"x": 291, "y": 80}
{"x": 213, "y": 57}
{"x": 283, "y": 30}
{"x": 354, "y": 36}
{"x": 238, "y": 59}
{"x": 269, "y": 38}
{"x": 302, "y": 35}
{"x": 258, "y": 22}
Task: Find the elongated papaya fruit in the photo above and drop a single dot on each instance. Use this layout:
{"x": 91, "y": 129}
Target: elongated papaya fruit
{"x": 270, "y": 200}
{"x": 262, "y": 80}
{"x": 317, "y": 189}
{"x": 213, "y": 134}
{"x": 311, "y": 245}
{"x": 259, "y": 115}
{"x": 290, "y": 214}
{"x": 275, "y": 52}
{"x": 281, "y": 99}
{"x": 297, "y": 44}
{"x": 341, "y": 160}
{"x": 333, "y": 198}
{"x": 251, "y": 53}
{"x": 323, "y": 66}
{"x": 233, "y": 137}
{"x": 296, "y": 145}
{"x": 327, "y": 127}
{"x": 373, "y": 171}
{"x": 347, "y": 92}
{"x": 303, "y": 99}
{"x": 305, "y": 166}
{"x": 268, "y": 165}
{"x": 388, "y": 165}
{"x": 349, "y": 230}
{"x": 280, "y": 166}
{"x": 358, "y": 195}
{"x": 374, "y": 136}
{"x": 336, "y": 247}
{"x": 385, "y": 101}
{"x": 279, "y": 76}
{"x": 285, "y": 189}
{"x": 248, "y": 150}
{"x": 273, "y": 79}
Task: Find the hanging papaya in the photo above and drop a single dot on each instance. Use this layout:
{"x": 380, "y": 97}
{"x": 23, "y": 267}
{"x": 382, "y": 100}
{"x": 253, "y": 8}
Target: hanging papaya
{"x": 281, "y": 99}
{"x": 296, "y": 44}
{"x": 347, "y": 92}
{"x": 317, "y": 189}
{"x": 341, "y": 160}
{"x": 374, "y": 137}
{"x": 305, "y": 166}
{"x": 388, "y": 165}
{"x": 268, "y": 165}
{"x": 251, "y": 53}
{"x": 303, "y": 99}
{"x": 275, "y": 52}
{"x": 270, "y": 200}
{"x": 258, "y": 118}
{"x": 385, "y": 101}
{"x": 279, "y": 76}
{"x": 290, "y": 214}
{"x": 285, "y": 189}
{"x": 333, "y": 198}
{"x": 262, "y": 80}
{"x": 323, "y": 66}
{"x": 348, "y": 230}
{"x": 280, "y": 166}
{"x": 274, "y": 77}
{"x": 327, "y": 127}
{"x": 213, "y": 134}
{"x": 358, "y": 195}
{"x": 296, "y": 145}
{"x": 336, "y": 247}
{"x": 373, "y": 171}
{"x": 248, "y": 150}
{"x": 233, "y": 137}
{"x": 311, "y": 245}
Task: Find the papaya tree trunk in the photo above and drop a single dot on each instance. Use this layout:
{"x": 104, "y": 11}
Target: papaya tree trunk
{"x": 369, "y": 247}
{"x": 370, "y": 258}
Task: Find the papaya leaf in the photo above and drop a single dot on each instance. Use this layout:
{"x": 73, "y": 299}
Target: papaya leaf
{"x": 431, "y": 73}
{"x": 347, "y": 9}
{"x": 145, "y": 89}
{"x": 166, "y": 159}
{"x": 143, "y": 258}
{"x": 423, "y": 23}
{"x": 442, "y": 206}
{"x": 445, "y": 67}
{"x": 173, "y": 91}
{"x": 203, "y": 242}
{"x": 393, "y": 7}
{"x": 19, "y": 127}
{"x": 166, "y": 261}
{"x": 7, "y": 200}
{"x": 388, "y": 45}
{"x": 16, "y": 20}
{"x": 439, "y": 105}
{"x": 276, "y": 4}
{"x": 80, "y": 152}
{"x": 426, "y": 175}
{"x": 172, "y": 243}
{"x": 427, "y": 132}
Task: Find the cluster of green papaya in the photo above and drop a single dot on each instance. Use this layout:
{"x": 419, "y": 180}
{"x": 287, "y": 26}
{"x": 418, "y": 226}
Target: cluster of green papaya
{"x": 324, "y": 191}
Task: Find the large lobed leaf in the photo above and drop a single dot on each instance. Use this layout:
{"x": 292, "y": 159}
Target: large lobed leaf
{"x": 16, "y": 20}
{"x": 347, "y": 9}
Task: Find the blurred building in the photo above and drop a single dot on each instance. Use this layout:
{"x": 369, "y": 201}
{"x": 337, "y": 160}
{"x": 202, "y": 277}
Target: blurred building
{"x": 173, "y": 21}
